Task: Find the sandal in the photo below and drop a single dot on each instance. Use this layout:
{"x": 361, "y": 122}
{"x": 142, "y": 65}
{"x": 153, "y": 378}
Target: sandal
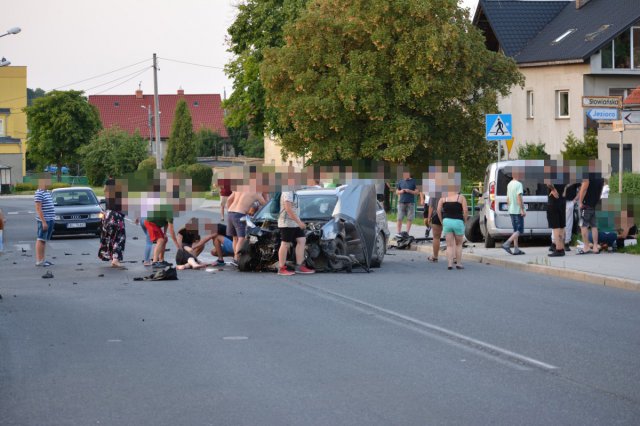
{"x": 432, "y": 259}
{"x": 581, "y": 251}
{"x": 459, "y": 267}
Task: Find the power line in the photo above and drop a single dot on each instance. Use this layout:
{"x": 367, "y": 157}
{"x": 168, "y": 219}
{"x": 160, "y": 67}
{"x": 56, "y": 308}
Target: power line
{"x": 121, "y": 83}
{"x": 194, "y": 64}
{"x": 119, "y": 78}
{"x": 83, "y": 80}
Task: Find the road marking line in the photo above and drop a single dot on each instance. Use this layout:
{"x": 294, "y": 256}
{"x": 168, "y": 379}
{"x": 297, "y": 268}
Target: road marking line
{"x": 478, "y": 346}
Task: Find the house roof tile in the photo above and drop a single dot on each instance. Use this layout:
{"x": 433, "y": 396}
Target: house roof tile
{"x": 126, "y": 112}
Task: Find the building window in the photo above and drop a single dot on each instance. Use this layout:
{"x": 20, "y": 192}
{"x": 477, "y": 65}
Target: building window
{"x": 196, "y": 103}
{"x": 2, "y": 132}
{"x": 621, "y": 92}
{"x": 615, "y": 157}
{"x": 116, "y": 104}
{"x": 562, "y": 103}
{"x": 623, "y": 52}
{"x": 530, "y": 104}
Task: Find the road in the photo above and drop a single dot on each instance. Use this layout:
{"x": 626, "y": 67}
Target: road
{"x": 409, "y": 344}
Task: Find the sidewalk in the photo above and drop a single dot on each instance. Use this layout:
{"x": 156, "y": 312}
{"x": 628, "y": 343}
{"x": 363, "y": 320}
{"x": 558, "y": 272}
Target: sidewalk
{"x": 609, "y": 269}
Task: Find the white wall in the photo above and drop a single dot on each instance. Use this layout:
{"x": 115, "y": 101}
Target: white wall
{"x": 545, "y": 127}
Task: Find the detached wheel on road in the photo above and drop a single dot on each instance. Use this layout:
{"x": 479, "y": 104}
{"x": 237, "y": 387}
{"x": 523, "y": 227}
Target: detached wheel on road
{"x": 379, "y": 251}
{"x": 472, "y": 230}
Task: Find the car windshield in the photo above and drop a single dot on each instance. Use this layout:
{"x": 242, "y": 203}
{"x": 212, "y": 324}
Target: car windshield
{"x": 310, "y": 207}
{"x": 77, "y": 197}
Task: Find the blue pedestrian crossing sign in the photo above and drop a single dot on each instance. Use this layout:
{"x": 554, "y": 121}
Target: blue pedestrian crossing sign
{"x": 498, "y": 127}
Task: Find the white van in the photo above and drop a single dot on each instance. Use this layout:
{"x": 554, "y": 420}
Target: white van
{"x": 494, "y": 219}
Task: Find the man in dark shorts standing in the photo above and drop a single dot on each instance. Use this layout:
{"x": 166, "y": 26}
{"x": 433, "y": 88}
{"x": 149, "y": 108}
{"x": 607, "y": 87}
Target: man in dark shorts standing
{"x": 589, "y": 196}
{"x": 240, "y": 203}
{"x": 291, "y": 230}
{"x": 406, "y": 192}
{"x": 556, "y": 217}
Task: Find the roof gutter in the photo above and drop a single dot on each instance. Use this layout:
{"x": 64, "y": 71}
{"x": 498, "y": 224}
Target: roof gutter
{"x": 551, "y": 63}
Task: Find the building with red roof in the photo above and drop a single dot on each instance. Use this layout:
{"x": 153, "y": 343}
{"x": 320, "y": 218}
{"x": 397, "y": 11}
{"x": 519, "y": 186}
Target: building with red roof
{"x": 134, "y": 113}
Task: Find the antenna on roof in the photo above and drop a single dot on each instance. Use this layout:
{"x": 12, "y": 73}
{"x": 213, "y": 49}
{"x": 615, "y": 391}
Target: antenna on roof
{"x": 140, "y": 85}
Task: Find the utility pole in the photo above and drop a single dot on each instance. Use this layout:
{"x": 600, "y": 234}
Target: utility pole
{"x": 156, "y": 113}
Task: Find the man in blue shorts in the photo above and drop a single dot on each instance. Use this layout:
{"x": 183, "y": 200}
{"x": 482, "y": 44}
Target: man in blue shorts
{"x": 45, "y": 219}
{"x": 222, "y": 244}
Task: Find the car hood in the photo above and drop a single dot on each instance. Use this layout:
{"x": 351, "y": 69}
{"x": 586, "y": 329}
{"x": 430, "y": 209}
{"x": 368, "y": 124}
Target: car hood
{"x": 94, "y": 208}
{"x": 357, "y": 205}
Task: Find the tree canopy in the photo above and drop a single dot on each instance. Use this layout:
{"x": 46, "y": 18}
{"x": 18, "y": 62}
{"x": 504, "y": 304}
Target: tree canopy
{"x": 576, "y": 149}
{"x": 181, "y": 145}
{"x": 59, "y": 123}
{"x": 405, "y": 81}
{"x": 112, "y": 152}
{"x": 258, "y": 25}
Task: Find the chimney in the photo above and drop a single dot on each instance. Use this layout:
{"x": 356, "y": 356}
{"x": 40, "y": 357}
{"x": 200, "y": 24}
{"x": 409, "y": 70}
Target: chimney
{"x": 580, "y": 3}
{"x": 139, "y": 94}
{"x": 180, "y": 91}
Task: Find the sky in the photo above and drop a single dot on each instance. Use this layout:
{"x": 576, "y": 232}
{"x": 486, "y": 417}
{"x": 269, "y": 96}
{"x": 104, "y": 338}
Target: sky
{"x": 107, "y": 47}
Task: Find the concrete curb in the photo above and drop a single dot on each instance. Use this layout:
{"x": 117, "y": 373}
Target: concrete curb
{"x": 570, "y": 274}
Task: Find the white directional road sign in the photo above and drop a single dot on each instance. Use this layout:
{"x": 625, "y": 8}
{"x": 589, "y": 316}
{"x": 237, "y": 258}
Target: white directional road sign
{"x": 498, "y": 127}
{"x": 601, "y": 101}
{"x": 631, "y": 117}
{"x": 603, "y": 114}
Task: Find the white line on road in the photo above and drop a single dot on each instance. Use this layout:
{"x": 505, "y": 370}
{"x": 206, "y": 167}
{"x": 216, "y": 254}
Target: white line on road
{"x": 495, "y": 352}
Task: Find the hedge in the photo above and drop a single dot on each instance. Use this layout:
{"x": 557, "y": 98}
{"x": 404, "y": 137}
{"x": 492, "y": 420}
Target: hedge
{"x": 33, "y": 186}
{"x": 630, "y": 184}
{"x": 200, "y": 175}
{"x": 147, "y": 164}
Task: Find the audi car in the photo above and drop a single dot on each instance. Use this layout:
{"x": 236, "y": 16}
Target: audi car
{"x": 78, "y": 211}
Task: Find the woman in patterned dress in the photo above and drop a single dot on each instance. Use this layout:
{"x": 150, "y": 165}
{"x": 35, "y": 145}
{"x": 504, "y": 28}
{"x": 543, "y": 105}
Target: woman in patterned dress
{"x": 113, "y": 236}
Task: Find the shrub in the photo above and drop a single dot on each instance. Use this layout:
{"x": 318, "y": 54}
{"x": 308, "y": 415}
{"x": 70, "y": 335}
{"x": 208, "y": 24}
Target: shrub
{"x": 630, "y": 184}
{"x": 56, "y": 185}
{"x": 531, "y": 151}
{"x": 25, "y": 187}
{"x": 575, "y": 149}
{"x": 201, "y": 176}
{"x": 147, "y": 164}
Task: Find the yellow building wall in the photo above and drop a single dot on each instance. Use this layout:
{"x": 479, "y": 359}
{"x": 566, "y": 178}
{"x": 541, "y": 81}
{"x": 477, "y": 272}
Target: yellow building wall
{"x": 13, "y": 97}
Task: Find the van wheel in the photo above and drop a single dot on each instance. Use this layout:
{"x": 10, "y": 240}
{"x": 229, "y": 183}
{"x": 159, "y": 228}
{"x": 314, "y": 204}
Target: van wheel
{"x": 489, "y": 242}
{"x": 472, "y": 230}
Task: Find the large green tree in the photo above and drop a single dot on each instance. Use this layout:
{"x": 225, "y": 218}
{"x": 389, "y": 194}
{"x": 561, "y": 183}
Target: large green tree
{"x": 208, "y": 143}
{"x": 112, "y": 152}
{"x": 59, "y": 123}
{"x": 258, "y": 25}
{"x": 402, "y": 80}
{"x": 181, "y": 146}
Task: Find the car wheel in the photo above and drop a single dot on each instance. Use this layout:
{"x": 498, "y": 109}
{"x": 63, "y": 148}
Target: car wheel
{"x": 489, "y": 242}
{"x": 246, "y": 262}
{"x": 339, "y": 250}
{"x": 379, "y": 251}
{"x": 472, "y": 230}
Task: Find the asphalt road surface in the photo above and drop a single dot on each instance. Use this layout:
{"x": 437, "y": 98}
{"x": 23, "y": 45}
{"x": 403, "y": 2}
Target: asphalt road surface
{"x": 409, "y": 344}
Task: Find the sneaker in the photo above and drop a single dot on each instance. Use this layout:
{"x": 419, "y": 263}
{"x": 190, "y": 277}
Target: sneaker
{"x": 233, "y": 262}
{"x": 157, "y": 265}
{"x": 517, "y": 252}
{"x": 552, "y": 247}
{"x": 567, "y": 248}
{"x": 220, "y": 262}
{"x": 398, "y": 236}
{"x": 147, "y": 263}
{"x": 165, "y": 263}
{"x": 302, "y": 269}
{"x": 557, "y": 253}
{"x": 506, "y": 248}
{"x": 285, "y": 271}
{"x": 45, "y": 263}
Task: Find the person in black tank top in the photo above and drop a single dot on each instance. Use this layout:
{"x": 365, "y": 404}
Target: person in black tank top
{"x": 452, "y": 210}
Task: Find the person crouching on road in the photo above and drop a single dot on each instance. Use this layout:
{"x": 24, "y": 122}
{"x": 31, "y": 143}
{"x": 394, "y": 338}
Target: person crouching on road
{"x": 291, "y": 229}
{"x": 222, "y": 244}
{"x": 190, "y": 246}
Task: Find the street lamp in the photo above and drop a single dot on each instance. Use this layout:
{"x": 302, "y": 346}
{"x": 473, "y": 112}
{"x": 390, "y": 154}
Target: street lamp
{"x": 15, "y": 30}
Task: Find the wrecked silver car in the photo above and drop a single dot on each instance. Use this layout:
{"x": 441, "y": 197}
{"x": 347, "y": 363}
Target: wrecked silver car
{"x": 345, "y": 227}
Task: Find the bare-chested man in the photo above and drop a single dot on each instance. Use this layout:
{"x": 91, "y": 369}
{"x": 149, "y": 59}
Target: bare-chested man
{"x": 239, "y": 204}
